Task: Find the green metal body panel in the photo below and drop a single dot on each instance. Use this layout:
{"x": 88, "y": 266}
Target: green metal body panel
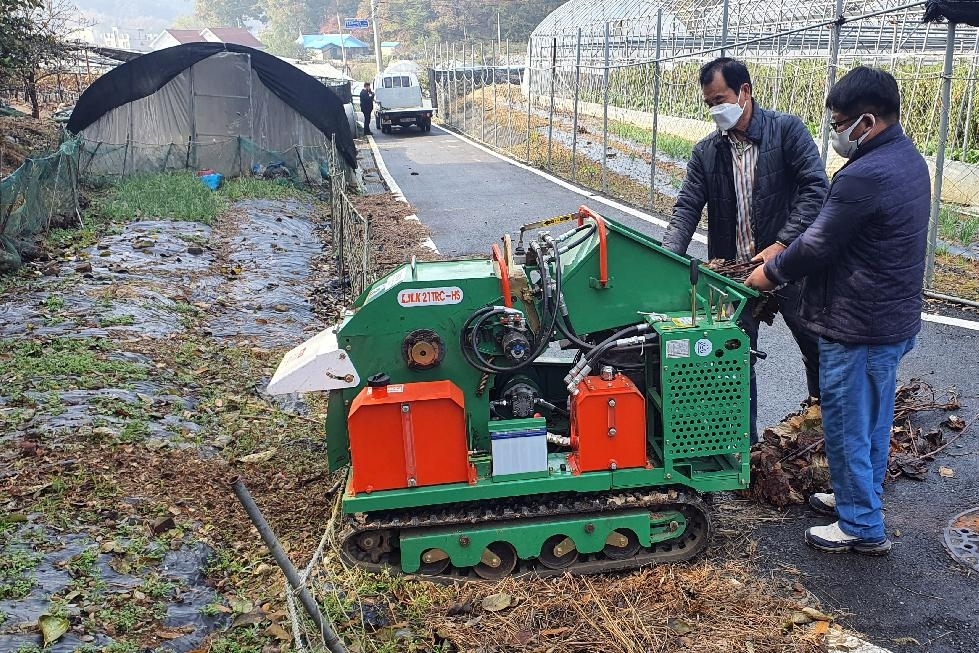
{"x": 643, "y": 278}
{"x": 697, "y": 405}
{"x": 465, "y": 545}
{"x": 705, "y": 400}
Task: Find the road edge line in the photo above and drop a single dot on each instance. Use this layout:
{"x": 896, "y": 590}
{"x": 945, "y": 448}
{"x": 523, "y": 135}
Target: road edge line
{"x": 395, "y": 189}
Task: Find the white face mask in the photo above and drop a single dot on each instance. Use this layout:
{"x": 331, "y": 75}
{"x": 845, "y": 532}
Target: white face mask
{"x": 727, "y": 115}
{"x": 841, "y": 140}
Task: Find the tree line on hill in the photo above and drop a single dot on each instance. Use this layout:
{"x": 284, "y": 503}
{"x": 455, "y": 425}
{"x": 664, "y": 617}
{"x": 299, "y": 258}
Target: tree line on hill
{"x": 410, "y": 22}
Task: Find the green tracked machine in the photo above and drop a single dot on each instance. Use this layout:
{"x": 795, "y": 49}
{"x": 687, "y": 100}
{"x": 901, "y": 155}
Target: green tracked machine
{"x": 559, "y": 406}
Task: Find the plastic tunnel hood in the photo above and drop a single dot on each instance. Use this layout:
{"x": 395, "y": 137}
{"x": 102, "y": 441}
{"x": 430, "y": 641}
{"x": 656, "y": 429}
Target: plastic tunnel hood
{"x": 317, "y": 364}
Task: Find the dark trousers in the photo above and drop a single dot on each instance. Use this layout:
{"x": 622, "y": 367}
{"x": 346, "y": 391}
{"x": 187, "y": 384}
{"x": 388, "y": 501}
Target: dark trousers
{"x": 788, "y": 299}
{"x": 367, "y": 121}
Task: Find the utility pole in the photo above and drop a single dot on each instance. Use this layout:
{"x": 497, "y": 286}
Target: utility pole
{"x": 343, "y": 48}
{"x": 377, "y": 36}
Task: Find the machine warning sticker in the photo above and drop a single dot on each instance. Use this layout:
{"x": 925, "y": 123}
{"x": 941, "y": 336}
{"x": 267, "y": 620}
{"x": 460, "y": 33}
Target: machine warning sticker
{"x": 703, "y": 347}
{"x": 678, "y": 349}
{"x": 411, "y": 297}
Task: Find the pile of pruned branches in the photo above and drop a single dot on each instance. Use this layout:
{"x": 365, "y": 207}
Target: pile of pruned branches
{"x": 789, "y": 463}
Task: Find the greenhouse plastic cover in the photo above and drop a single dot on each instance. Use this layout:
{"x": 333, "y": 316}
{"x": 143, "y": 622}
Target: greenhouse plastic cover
{"x": 212, "y": 93}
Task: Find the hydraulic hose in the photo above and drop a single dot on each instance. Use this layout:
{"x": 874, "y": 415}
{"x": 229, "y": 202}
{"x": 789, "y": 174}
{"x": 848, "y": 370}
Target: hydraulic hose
{"x": 587, "y": 232}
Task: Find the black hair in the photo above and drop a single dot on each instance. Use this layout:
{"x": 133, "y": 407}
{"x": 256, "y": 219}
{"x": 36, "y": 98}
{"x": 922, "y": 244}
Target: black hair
{"x": 866, "y": 90}
{"x": 735, "y": 73}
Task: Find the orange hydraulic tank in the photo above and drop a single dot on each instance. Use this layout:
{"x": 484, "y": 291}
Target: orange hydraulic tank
{"x": 608, "y": 425}
{"x": 408, "y": 435}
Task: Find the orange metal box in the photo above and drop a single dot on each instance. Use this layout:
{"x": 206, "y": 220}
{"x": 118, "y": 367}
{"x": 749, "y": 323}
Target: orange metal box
{"x": 608, "y": 425}
{"x": 408, "y": 435}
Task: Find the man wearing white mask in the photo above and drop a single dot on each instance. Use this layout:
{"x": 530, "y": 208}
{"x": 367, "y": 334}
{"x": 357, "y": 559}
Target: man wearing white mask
{"x": 762, "y": 181}
{"x": 863, "y": 261}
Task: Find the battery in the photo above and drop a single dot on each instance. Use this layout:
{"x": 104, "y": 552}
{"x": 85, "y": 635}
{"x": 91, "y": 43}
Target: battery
{"x": 519, "y": 446}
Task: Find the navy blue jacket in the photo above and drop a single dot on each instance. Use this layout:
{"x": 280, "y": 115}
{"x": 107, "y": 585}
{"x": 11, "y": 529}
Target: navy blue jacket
{"x": 863, "y": 257}
{"x": 790, "y": 186}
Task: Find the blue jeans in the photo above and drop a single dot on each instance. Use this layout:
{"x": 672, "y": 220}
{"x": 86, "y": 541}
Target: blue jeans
{"x": 857, "y": 384}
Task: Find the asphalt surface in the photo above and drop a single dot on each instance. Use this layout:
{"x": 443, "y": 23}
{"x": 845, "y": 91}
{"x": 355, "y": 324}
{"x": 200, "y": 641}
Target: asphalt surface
{"x": 917, "y": 598}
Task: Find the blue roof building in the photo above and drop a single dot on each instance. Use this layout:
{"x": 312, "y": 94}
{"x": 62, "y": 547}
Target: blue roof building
{"x": 324, "y": 41}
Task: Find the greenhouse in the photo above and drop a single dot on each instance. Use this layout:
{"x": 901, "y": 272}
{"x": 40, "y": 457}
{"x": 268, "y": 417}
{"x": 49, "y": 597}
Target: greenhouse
{"x": 610, "y": 97}
{"x": 633, "y": 54}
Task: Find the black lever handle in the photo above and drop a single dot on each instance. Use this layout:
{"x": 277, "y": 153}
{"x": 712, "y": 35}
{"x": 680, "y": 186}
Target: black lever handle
{"x": 694, "y": 271}
{"x": 760, "y": 355}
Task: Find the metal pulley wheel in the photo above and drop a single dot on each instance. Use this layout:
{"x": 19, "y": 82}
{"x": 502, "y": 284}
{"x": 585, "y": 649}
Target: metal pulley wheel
{"x": 423, "y": 349}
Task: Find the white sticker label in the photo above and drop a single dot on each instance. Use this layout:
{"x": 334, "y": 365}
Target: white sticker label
{"x": 411, "y": 297}
{"x": 703, "y": 347}
{"x": 678, "y": 349}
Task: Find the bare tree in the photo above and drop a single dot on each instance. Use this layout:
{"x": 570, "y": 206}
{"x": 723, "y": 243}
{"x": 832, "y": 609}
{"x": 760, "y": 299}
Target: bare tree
{"x": 33, "y": 43}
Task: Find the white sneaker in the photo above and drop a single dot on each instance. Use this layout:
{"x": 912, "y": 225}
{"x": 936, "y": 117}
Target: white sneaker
{"x": 832, "y": 539}
{"x": 823, "y": 503}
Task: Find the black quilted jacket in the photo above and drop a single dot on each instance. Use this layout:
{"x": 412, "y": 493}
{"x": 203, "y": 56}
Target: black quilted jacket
{"x": 790, "y": 187}
{"x": 863, "y": 258}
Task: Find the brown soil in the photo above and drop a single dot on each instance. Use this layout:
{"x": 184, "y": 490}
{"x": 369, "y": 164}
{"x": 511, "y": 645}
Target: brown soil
{"x": 21, "y": 138}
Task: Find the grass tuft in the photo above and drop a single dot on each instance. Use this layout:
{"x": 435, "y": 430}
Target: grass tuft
{"x": 172, "y": 196}
{"x": 246, "y": 188}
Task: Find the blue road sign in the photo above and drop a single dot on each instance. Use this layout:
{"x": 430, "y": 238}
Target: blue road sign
{"x": 356, "y": 23}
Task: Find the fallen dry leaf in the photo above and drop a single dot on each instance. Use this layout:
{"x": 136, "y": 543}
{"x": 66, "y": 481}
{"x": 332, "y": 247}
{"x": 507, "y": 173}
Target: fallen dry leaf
{"x": 946, "y": 472}
{"x": 954, "y": 422}
{"x": 52, "y": 627}
{"x": 816, "y": 615}
{"x": 497, "y": 602}
{"x": 260, "y": 457}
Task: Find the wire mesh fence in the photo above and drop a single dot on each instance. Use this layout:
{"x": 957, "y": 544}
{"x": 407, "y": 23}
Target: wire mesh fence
{"x": 44, "y": 191}
{"x": 356, "y": 266}
{"x": 613, "y": 102}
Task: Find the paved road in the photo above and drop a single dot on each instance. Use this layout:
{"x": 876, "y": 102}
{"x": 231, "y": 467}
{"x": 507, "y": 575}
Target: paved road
{"x": 469, "y": 198}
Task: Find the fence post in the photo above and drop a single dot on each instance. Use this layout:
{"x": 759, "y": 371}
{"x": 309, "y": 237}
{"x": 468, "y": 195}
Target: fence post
{"x": 656, "y": 76}
{"x": 509, "y": 113}
{"x": 574, "y": 123}
{"x": 496, "y": 110}
{"x": 550, "y": 118}
{"x": 530, "y": 88}
{"x": 971, "y": 86}
{"x": 724, "y": 23}
{"x": 605, "y": 114}
{"x": 936, "y": 197}
{"x": 482, "y": 92}
{"x": 834, "y": 58}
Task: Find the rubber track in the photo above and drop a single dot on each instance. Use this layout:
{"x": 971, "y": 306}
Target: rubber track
{"x": 688, "y": 544}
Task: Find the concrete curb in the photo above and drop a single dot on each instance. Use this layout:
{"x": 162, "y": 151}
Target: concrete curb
{"x": 395, "y": 189}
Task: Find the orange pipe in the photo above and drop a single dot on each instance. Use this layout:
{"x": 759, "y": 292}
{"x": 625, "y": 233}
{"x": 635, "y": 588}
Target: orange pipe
{"x": 585, "y": 212}
{"x": 504, "y": 276}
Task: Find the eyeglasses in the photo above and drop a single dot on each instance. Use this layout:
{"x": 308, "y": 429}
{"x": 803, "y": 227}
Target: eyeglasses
{"x": 835, "y": 125}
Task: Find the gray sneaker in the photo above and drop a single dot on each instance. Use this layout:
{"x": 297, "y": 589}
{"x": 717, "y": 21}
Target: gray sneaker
{"x": 824, "y": 503}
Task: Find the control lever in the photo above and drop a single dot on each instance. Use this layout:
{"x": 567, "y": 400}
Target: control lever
{"x": 694, "y": 277}
{"x": 760, "y": 355}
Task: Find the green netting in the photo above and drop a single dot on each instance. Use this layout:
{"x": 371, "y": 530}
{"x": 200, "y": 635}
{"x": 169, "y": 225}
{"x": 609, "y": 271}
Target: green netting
{"x": 45, "y": 189}
{"x": 33, "y": 195}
